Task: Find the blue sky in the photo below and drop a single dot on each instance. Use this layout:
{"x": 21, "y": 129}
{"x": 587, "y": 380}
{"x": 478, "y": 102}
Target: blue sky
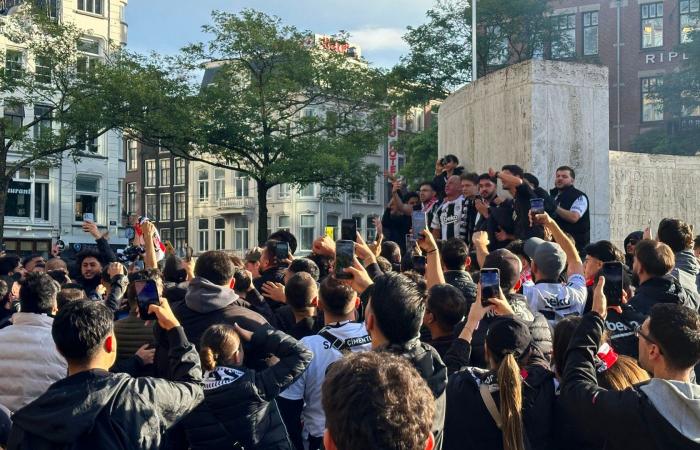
{"x": 376, "y": 25}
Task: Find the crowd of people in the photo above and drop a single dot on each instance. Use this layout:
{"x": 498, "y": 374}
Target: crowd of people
{"x": 411, "y": 346}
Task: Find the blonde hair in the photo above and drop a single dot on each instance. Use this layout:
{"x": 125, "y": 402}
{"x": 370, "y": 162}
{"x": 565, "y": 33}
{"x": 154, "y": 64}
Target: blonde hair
{"x": 511, "y": 408}
{"x": 218, "y": 346}
{"x": 623, "y": 374}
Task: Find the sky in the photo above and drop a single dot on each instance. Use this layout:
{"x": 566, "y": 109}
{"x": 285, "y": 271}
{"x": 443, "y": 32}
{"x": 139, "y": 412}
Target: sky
{"x": 376, "y": 26}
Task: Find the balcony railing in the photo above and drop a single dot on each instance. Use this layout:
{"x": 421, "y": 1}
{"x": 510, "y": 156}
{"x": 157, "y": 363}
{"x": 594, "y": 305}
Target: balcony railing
{"x": 51, "y": 6}
{"x": 235, "y": 204}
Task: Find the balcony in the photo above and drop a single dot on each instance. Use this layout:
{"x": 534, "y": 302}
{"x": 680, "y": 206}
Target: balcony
{"x": 51, "y": 6}
{"x": 235, "y": 205}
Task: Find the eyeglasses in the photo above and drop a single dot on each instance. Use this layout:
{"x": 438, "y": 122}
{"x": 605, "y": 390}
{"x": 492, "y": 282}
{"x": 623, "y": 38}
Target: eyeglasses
{"x": 638, "y": 333}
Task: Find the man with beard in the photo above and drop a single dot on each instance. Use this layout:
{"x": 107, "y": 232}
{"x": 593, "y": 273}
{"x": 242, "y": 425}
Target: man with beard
{"x": 572, "y": 213}
{"x": 91, "y": 260}
{"x": 449, "y": 220}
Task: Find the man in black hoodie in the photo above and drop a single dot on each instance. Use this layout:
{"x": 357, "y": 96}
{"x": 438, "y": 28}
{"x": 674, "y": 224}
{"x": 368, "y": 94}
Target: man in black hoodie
{"x": 91, "y": 260}
{"x": 455, "y": 257}
{"x": 393, "y": 319}
{"x": 663, "y": 413}
{"x": 92, "y": 408}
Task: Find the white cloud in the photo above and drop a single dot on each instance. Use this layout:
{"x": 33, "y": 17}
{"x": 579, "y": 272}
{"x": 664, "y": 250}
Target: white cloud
{"x": 379, "y": 38}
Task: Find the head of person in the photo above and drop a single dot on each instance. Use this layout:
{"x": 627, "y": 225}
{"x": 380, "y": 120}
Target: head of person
{"x": 547, "y": 259}
{"x": 455, "y": 254}
{"x": 10, "y": 264}
{"x": 597, "y": 254}
{"x": 301, "y": 292}
{"x": 517, "y": 247}
{"x": 514, "y": 170}
{"x": 242, "y": 279}
{"x": 470, "y": 185}
{"x": 413, "y": 200}
{"x": 56, "y": 264}
{"x": 395, "y": 310}
{"x": 426, "y": 191}
{"x": 509, "y": 268}
{"x": 487, "y": 186}
{"x": 676, "y": 234}
{"x": 652, "y": 259}
{"x": 252, "y": 261}
{"x": 268, "y": 257}
{"x": 385, "y": 265}
{"x": 391, "y": 251}
{"x": 300, "y": 265}
{"x": 324, "y": 263}
{"x": 285, "y": 236}
{"x": 507, "y": 343}
{"x": 696, "y": 246}
{"x": 173, "y": 271}
{"x": 564, "y": 177}
{"x": 453, "y": 187}
{"x": 83, "y": 332}
{"x": 360, "y": 395}
{"x": 220, "y": 345}
{"x": 37, "y": 294}
{"x": 669, "y": 340}
{"x": 216, "y": 267}
{"x": 450, "y": 162}
{"x": 631, "y": 242}
{"x": 90, "y": 263}
{"x": 70, "y": 292}
{"x": 532, "y": 180}
{"x": 34, "y": 262}
{"x": 445, "y": 307}
{"x": 136, "y": 281}
{"x": 337, "y": 299}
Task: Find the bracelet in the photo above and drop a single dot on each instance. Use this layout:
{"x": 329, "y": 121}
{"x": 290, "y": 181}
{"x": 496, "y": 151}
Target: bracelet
{"x": 431, "y": 251}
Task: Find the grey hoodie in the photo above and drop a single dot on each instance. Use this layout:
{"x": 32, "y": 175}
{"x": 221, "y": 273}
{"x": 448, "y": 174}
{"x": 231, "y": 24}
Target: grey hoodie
{"x": 678, "y": 403}
{"x": 203, "y": 296}
{"x": 687, "y": 272}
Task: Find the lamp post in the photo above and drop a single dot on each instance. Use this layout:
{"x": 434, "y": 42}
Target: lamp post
{"x": 475, "y": 73}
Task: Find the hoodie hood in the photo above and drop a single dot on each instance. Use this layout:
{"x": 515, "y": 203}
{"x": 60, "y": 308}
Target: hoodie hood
{"x": 70, "y": 407}
{"x": 203, "y": 296}
{"x": 678, "y": 403}
{"x": 687, "y": 262}
{"x": 427, "y": 362}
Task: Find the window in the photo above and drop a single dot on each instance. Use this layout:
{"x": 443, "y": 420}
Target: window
{"x": 564, "y": 45}
{"x": 151, "y": 173}
{"x": 219, "y": 184}
{"x": 165, "y": 172}
{"x": 180, "y": 238}
{"x": 203, "y": 234}
{"x": 355, "y": 196}
{"x": 652, "y": 107}
{"x": 90, "y": 146}
{"x": 89, "y": 55}
{"x": 165, "y": 235}
{"x": 42, "y": 129}
{"x": 132, "y": 156}
{"x": 307, "y": 228}
{"x": 14, "y": 113}
{"x": 308, "y": 191}
{"x": 179, "y": 171}
{"x": 13, "y": 64}
{"x": 87, "y": 193}
{"x": 690, "y": 18}
{"x": 240, "y": 232}
{"x": 332, "y": 221}
{"x": 652, "y": 25}
{"x": 372, "y": 193}
{"x": 151, "y": 206}
{"x": 241, "y": 183}
{"x": 23, "y": 192}
{"x": 180, "y": 206}
{"x": 283, "y": 223}
{"x": 131, "y": 198}
{"x": 91, "y": 6}
{"x": 371, "y": 229}
{"x": 284, "y": 190}
{"x": 219, "y": 234}
{"x": 165, "y": 202}
{"x": 42, "y": 70}
{"x": 590, "y": 33}
{"x": 203, "y": 180}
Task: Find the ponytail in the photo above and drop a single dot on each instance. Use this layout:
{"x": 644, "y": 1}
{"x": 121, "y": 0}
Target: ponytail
{"x": 218, "y": 345}
{"x": 208, "y": 358}
{"x": 510, "y": 387}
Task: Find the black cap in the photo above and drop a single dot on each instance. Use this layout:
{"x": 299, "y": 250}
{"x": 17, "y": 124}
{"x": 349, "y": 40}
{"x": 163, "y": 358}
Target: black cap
{"x": 508, "y": 335}
{"x": 507, "y": 264}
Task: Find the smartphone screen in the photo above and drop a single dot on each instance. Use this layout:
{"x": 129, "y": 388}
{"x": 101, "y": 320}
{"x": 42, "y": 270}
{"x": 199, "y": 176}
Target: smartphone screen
{"x": 612, "y": 271}
{"x": 537, "y": 205}
{"x": 147, "y": 294}
{"x": 344, "y": 252}
{"x": 281, "y": 251}
{"x": 348, "y": 230}
{"x": 88, "y": 217}
{"x": 490, "y": 281}
{"x": 418, "y": 223}
{"x": 419, "y": 262}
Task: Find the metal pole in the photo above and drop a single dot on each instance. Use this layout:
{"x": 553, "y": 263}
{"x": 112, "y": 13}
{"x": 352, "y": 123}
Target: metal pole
{"x": 618, "y": 76}
{"x": 475, "y": 72}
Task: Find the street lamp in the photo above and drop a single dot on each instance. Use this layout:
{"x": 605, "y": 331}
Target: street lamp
{"x": 475, "y": 73}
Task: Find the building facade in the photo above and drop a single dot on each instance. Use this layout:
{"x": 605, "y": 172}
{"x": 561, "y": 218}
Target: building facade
{"x": 47, "y": 204}
{"x": 637, "y": 40}
{"x": 155, "y": 186}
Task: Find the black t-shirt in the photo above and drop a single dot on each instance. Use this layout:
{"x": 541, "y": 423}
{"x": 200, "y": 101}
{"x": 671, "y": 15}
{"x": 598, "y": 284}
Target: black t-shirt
{"x": 621, "y": 330}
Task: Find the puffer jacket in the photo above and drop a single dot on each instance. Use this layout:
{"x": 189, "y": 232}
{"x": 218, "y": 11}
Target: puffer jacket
{"x": 462, "y": 281}
{"x": 29, "y": 361}
{"x": 239, "y": 404}
{"x": 661, "y": 290}
{"x": 132, "y": 332}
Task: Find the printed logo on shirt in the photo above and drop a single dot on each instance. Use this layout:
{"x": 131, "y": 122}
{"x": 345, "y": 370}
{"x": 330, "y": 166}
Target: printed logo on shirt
{"x": 621, "y": 329}
{"x": 221, "y": 376}
{"x": 557, "y": 303}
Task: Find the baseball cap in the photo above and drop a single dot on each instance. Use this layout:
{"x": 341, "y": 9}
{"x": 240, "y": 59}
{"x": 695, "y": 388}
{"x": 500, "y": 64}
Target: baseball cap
{"x": 548, "y": 256}
{"x": 508, "y": 335}
{"x": 507, "y": 264}
{"x": 253, "y": 255}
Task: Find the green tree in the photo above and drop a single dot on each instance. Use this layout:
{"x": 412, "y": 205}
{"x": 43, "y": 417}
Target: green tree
{"x": 421, "y": 150}
{"x": 275, "y": 106}
{"x": 51, "y": 77}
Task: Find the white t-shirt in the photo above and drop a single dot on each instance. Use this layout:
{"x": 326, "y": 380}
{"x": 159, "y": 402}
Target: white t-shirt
{"x": 308, "y": 385}
{"x": 580, "y": 205}
{"x": 556, "y": 300}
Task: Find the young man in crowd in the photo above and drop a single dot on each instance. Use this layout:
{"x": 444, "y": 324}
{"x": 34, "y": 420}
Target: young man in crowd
{"x": 661, "y": 414}
{"x": 92, "y": 408}
{"x": 511, "y": 177}
{"x": 271, "y": 270}
{"x": 572, "y": 213}
{"x": 445, "y": 306}
{"x": 445, "y": 167}
{"x": 470, "y": 192}
{"x": 359, "y": 399}
{"x": 456, "y": 260}
{"x": 678, "y": 235}
{"x": 301, "y": 293}
{"x": 91, "y": 260}
{"x": 450, "y": 217}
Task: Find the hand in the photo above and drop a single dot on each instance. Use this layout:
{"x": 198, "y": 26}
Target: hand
{"x": 188, "y": 267}
{"x": 541, "y": 219}
{"x": 498, "y": 200}
{"x": 647, "y": 233}
{"x": 360, "y": 278}
{"x": 508, "y": 178}
{"x": 91, "y": 228}
{"x": 274, "y": 291}
{"x": 147, "y": 229}
{"x": 482, "y": 207}
{"x": 500, "y": 305}
{"x": 324, "y": 246}
{"x": 101, "y": 290}
{"x": 244, "y": 334}
{"x": 115, "y": 269}
{"x": 480, "y": 238}
{"x": 55, "y": 251}
{"x": 165, "y": 316}
{"x": 600, "y": 302}
{"x": 502, "y": 236}
{"x": 427, "y": 244}
{"x": 378, "y": 225}
{"x": 363, "y": 251}
{"x": 145, "y": 354}
{"x": 396, "y": 186}
{"x": 439, "y": 168}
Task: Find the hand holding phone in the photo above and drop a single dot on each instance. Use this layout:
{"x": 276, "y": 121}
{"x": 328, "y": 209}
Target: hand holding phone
{"x": 88, "y": 217}
{"x": 348, "y": 230}
{"x": 537, "y": 205}
{"x": 418, "y": 222}
{"x": 147, "y": 295}
{"x": 281, "y": 251}
{"x": 490, "y": 280}
{"x": 344, "y": 254}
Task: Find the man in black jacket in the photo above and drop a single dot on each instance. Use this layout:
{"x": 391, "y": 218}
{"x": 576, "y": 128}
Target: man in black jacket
{"x": 455, "y": 256}
{"x": 511, "y": 177}
{"x": 93, "y": 408}
{"x": 663, "y": 413}
{"x": 271, "y": 270}
{"x": 91, "y": 260}
{"x": 572, "y": 213}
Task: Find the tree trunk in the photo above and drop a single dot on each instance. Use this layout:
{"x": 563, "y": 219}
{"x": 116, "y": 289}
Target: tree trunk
{"x": 262, "y": 212}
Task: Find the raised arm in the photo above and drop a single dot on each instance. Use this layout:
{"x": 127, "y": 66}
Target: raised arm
{"x": 433, "y": 268}
{"x": 149, "y": 255}
{"x": 573, "y": 260}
